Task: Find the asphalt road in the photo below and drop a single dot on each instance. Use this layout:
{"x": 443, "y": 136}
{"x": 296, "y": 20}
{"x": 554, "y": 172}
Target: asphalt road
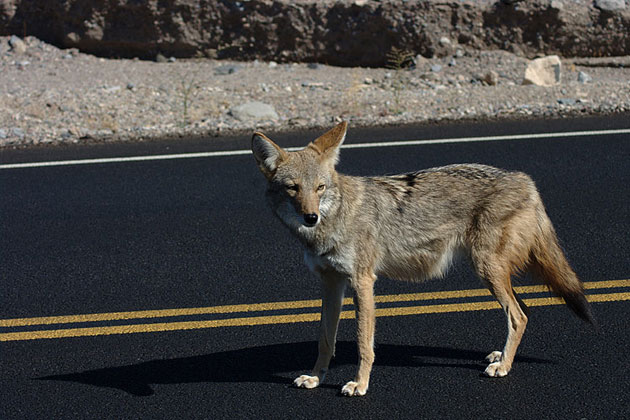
{"x": 116, "y": 238}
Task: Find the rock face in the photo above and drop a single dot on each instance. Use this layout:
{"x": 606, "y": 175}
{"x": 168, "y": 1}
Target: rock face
{"x": 545, "y": 71}
{"x": 341, "y": 32}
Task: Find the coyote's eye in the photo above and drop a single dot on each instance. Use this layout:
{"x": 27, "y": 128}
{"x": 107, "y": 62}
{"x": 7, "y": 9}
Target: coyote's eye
{"x": 292, "y": 187}
{"x": 321, "y": 188}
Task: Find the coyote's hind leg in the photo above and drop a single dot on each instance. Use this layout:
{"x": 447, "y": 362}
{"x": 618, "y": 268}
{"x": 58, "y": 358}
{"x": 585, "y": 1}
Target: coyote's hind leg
{"x": 501, "y": 362}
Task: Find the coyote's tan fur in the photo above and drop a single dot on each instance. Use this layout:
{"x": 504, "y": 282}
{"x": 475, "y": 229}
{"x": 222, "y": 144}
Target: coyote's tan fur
{"x": 409, "y": 227}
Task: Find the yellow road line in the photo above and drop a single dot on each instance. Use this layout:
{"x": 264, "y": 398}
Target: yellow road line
{"x": 481, "y": 306}
{"x": 287, "y": 319}
{"x": 160, "y": 313}
{"x": 271, "y": 306}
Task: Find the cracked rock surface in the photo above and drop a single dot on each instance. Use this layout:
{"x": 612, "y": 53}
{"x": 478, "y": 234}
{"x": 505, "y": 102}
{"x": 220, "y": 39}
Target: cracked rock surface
{"x": 348, "y": 33}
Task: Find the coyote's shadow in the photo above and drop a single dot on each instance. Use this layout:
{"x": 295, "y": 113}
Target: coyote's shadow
{"x": 264, "y": 364}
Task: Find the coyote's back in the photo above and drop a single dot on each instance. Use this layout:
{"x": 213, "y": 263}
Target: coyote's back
{"x": 410, "y": 227}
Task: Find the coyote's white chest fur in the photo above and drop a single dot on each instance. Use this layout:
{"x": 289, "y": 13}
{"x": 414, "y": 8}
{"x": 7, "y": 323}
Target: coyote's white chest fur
{"x": 341, "y": 262}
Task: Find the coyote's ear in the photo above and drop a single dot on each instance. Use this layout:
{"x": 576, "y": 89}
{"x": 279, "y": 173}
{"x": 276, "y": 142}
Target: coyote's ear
{"x": 328, "y": 143}
{"x": 267, "y": 153}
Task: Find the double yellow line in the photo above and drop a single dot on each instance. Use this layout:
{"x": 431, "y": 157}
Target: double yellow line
{"x": 61, "y": 332}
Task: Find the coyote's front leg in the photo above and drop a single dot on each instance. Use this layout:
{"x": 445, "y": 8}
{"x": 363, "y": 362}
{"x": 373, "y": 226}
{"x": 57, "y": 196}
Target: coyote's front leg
{"x": 364, "y": 303}
{"x": 333, "y": 287}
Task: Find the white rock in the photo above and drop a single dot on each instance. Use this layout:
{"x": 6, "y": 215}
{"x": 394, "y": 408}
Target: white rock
{"x": 445, "y": 42}
{"x": 610, "y": 5}
{"x": 584, "y": 77}
{"x": 111, "y": 89}
{"x": 254, "y": 111}
{"x": 18, "y": 132}
{"x": 545, "y": 71}
{"x": 17, "y": 45}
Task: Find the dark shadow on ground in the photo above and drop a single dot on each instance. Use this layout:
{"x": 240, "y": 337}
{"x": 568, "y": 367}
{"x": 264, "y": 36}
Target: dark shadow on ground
{"x": 266, "y": 363}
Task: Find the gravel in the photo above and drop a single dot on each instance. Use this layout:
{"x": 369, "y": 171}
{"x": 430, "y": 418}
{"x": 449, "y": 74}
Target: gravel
{"x": 49, "y": 95}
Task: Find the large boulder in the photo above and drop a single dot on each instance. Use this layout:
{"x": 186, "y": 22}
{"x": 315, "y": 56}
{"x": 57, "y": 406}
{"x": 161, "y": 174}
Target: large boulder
{"x": 544, "y": 71}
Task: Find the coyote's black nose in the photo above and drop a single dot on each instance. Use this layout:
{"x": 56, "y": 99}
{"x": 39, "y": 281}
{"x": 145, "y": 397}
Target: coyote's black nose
{"x": 310, "y": 219}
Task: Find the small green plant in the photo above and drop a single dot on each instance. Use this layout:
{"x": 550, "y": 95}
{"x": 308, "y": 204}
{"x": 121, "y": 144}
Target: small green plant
{"x": 352, "y": 96}
{"x": 398, "y": 60}
{"x": 187, "y": 92}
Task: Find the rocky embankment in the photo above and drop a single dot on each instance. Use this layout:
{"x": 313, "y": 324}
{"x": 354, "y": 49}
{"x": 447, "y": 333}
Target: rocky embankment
{"x": 54, "y": 89}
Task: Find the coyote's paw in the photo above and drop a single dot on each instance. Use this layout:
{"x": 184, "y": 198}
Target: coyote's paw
{"x": 352, "y": 389}
{"x": 495, "y": 356}
{"x": 306, "y": 381}
{"x": 496, "y": 370}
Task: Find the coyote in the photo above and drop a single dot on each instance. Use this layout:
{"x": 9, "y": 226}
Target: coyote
{"x": 410, "y": 227}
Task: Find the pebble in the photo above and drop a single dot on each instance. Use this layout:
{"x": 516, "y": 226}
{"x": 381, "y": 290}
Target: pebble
{"x": 445, "y": 42}
{"x": 226, "y": 69}
{"x": 567, "y": 101}
{"x": 584, "y": 77}
{"x": 610, "y": 5}
{"x": 313, "y": 85}
{"x": 419, "y": 60}
{"x": 18, "y": 132}
{"x": 17, "y": 45}
{"x": 254, "y": 111}
{"x": 491, "y": 78}
{"x": 104, "y": 133}
{"x": 436, "y": 68}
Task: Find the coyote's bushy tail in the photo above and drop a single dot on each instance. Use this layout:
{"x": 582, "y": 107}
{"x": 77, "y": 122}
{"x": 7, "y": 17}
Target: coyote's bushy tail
{"x": 549, "y": 264}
